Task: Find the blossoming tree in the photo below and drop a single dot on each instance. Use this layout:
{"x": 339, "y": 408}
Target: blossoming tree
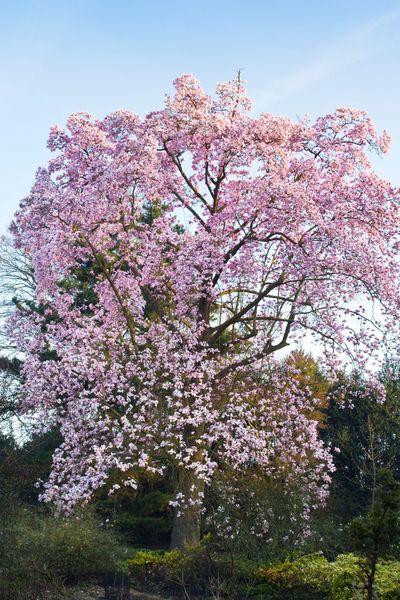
{"x": 174, "y": 256}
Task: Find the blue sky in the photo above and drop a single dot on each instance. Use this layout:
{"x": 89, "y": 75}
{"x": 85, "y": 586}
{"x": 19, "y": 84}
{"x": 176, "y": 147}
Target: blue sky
{"x": 299, "y": 57}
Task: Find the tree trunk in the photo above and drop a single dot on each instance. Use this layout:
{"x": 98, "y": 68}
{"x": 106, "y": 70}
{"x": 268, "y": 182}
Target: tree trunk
{"x": 187, "y": 519}
{"x": 371, "y": 578}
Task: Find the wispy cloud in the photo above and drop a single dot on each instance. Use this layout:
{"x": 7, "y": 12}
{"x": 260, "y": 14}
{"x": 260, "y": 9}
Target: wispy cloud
{"x": 354, "y": 48}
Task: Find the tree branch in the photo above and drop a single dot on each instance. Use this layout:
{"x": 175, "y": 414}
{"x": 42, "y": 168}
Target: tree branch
{"x": 216, "y": 332}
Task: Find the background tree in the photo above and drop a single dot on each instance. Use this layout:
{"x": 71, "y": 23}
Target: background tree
{"x": 262, "y": 229}
{"x": 17, "y": 284}
{"x": 375, "y": 534}
{"x": 366, "y": 431}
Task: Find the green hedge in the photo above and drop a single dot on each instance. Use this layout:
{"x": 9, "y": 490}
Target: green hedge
{"x": 311, "y": 577}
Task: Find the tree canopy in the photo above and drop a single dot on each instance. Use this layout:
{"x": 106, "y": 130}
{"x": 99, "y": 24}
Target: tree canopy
{"x": 173, "y": 256}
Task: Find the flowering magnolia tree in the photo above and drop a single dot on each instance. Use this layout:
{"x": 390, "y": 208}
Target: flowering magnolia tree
{"x": 173, "y": 257}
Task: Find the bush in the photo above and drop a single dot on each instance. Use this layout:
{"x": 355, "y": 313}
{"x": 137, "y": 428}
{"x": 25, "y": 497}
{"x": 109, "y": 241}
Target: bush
{"x": 41, "y": 552}
{"x": 306, "y": 577}
{"x": 312, "y": 576}
{"x": 387, "y": 580}
{"x": 197, "y": 570}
